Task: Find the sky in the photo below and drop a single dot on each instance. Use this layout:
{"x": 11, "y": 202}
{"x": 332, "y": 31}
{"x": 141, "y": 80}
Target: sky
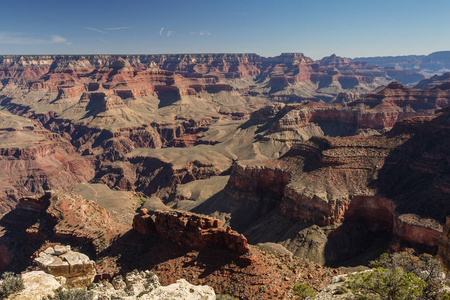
{"x": 350, "y": 28}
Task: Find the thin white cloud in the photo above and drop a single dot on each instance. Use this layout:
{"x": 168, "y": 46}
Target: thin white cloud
{"x": 56, "y": 39}
{"x": 105, "y": 41}
{"x": 192, "y": 32}
{"x": 94, "y": 29}
{"x": 13, "y": 38}
{"x": 161, "y": 30}
{"x": 169, "y": 32}
{"x": 116, "y": 28}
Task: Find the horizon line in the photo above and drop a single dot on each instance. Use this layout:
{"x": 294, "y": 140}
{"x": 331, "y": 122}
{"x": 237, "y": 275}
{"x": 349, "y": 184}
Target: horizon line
{"x": 220, "y": 53}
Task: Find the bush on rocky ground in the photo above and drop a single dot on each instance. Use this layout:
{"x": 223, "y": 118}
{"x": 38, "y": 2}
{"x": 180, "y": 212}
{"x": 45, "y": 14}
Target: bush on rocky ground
{"x": 70, "y": 294}
{"x": 10, "y": 284}
{"x": 401, "y": 275}
{"x": 425, "y": 266}
{"x": 389, "y": 284}
{"x": 304, "y": 291}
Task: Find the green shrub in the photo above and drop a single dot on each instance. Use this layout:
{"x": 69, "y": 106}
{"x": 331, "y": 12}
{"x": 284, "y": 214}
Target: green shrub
{"x": 70, "y": 294}
{"x": 10, "y": 284}
{"x": 340, "y": 290}
{"x": 426, "y": 267}
{"x": 304, "y": 291}
{"x": 386, "y": 284}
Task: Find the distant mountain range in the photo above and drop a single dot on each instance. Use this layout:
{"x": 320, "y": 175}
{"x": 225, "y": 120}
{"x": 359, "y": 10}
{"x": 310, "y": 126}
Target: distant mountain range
{"x": 428, "y": 65}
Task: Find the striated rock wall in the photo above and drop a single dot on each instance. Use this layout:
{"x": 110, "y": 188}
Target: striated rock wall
{"x": 376, "y": 112}
{"x": 192, "y": 230}
{"x": 113, "y": 144}
{"x": 305, "y": 208}
{"x": 57, "y": 217}
{"x": 417, "y": 230}
{"x": 442, "y": 80}
{"x": 255, "y": 181}
{"x": 33, "y": 159}
{"x": 394, "y": 183}
{"x": 154, "y": 176}
{"x": 195, "y": 72}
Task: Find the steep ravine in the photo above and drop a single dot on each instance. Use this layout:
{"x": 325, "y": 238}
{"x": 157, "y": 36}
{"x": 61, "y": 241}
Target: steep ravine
{"x": 347, "y": 193}
{"x": 355, "y": 231}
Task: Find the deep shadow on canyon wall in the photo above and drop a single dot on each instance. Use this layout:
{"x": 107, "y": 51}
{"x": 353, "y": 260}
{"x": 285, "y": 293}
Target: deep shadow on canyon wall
{"x": 416, "y": 175}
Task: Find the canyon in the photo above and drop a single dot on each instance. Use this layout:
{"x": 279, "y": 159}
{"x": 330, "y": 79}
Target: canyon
{"x": 326, "y": 163}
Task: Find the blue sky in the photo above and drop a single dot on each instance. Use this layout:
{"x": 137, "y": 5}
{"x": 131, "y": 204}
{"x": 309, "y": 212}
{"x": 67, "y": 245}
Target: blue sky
{"x": 317, "y": 28}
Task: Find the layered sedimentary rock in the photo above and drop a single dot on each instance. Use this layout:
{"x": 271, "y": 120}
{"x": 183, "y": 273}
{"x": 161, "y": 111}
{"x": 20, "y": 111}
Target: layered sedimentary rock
{"x": 192, "y": 230}
{"x": 374, "y": 113}
{"x": 371, "y": 179}
{"x": 442, "y": 80}
{"x": 73, "y": 219}
{"x": 57, "y": 217}
{"x": 350, "y": 74}
{"x": 132, "y": 115}
{"x": 293, "y": 77}
{"x": 288, "y": 77}
{"x": 115, "y": 104}
{"x": 110, "y": 106}
{"x": 401, "y": 96}
{"x": 269, "y": 276}
{"x": 145, "y": 171}
{"x": 76, "y": 267}
{"x": 33, "y": 159}
{"x": 158, "y": 172}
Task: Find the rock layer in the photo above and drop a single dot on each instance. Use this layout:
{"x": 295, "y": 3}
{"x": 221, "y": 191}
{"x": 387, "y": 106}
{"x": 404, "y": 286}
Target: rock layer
{"x": 354, "y": 179}
{"x": 374, "y": 113}
{"x": 192, "y": 230}
{"x": 76, "y": 267}
{"x": 33, "y": 159}
{"x": 57, "y": 217}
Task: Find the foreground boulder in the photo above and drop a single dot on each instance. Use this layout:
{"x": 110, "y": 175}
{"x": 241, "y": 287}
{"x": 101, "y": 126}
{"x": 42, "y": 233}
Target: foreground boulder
{"x": 145, "y": 285}
{"x": 37, "y": 284}
{"x": 134, "y": 285}
{"x": 76, "y": 267}
{"x": 182, "y": 290}
{"x": 56, "y": 217}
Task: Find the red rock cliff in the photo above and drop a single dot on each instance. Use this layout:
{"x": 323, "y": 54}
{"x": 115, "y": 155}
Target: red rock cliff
{"x": 192, "y": 230}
